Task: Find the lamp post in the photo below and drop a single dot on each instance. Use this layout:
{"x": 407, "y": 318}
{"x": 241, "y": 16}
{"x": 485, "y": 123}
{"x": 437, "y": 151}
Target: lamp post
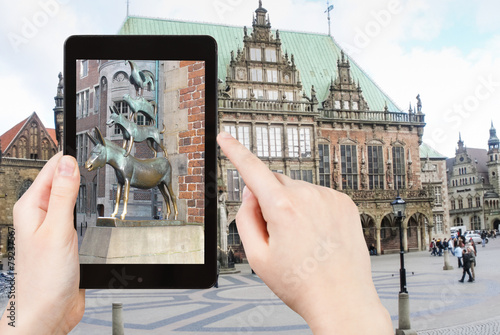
{"x": 404, "y": 327}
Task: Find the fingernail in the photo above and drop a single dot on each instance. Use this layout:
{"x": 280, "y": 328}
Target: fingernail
{"x": 66, "y": 166}
{"x": 246, "y": 193}
{"x": 224, "y": 134}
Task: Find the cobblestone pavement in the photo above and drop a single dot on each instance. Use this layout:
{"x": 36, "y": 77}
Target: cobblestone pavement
{"x": 243, "y": 304}
{"x": 491, "y": 326}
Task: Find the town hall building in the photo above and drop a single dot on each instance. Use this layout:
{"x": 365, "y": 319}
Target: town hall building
{"x": 307, "y": 110}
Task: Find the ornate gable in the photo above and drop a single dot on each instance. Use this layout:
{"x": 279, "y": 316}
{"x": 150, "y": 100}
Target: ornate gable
{"x": 261, "y": 71}
{"x": 345, "y": 94}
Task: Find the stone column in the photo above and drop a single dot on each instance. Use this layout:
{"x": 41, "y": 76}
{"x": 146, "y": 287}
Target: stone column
{"x": 223, "y": 225}
{"x": 377, "y": 238}
{"x": 419, "y": 238}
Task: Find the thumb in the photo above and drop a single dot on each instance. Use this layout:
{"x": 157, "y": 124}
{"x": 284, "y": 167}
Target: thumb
{"x": 63, "y": 195}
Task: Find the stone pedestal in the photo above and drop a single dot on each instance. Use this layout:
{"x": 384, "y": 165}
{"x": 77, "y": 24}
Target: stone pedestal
{"x": 116, "y": 241}
{"x": 447, "y": 265}
{"x": 404, "y": 315}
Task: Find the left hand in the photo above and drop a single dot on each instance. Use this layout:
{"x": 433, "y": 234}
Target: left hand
{"x": 47, "y": 298}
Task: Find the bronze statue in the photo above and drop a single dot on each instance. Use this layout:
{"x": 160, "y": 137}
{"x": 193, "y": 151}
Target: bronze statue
{"x": 130, "y": 171}
{"x": 141, "y": 105}
{"x": 134, "y": 133}
{"x": 140, "y": 79}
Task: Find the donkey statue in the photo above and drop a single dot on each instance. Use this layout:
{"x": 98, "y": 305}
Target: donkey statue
{"x": 130, "y": 171}
{"x": 134, "y": 133}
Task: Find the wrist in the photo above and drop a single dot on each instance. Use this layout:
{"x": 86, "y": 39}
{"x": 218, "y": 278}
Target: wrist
{"x": 342, "y": 310}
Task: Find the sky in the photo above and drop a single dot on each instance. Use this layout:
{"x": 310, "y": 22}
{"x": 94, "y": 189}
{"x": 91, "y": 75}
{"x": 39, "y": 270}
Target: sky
{"x": 448, "y": 51}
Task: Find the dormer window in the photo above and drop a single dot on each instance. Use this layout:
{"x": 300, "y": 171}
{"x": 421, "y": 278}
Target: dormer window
{"x": 270, "y": 55}
{"x": 289, "y": 95}
{"x": 337, "y": 104}
{"x": 354, "y": 105}
{"x": 345, "y": 104}
{"x": 255, "y": 54}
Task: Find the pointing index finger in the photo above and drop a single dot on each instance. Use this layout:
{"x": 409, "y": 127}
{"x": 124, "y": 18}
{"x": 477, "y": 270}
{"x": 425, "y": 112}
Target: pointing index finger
{"x": 257, "y": 176}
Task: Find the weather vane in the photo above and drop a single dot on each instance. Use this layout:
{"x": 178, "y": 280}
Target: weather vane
{"x": 328, "y": 9}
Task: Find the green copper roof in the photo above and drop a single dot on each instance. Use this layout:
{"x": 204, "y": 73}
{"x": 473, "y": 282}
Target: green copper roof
{"x": 315, "y": 54}
{"x": 427, "y": 151}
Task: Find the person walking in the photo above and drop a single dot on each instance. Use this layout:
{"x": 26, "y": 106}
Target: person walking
{"x": 458, "y": 254}
{"x": 433, "y": 248}
{"x": 439, "y": 246}
{"x": 466, "y": 269}
{"x": 483, "y": 238}
{"x": 473, "y": 245}
{"x": 451, "y": 246}
{"x": 470, "y": 250}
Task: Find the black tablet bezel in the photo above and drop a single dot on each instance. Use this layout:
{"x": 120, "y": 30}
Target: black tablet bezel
{"x": 151, "y": 47}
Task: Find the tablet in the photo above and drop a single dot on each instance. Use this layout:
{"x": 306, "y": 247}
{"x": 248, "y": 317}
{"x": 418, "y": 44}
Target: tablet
{"x": 140, "y": 119}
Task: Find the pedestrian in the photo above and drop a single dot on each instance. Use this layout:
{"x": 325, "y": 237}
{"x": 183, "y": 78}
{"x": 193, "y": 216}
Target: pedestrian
{"x": 483, "y": 238}
{"x": 473, "y": 245}
{"x": 432, "y": 247}
{"x": 470, "y": 250}
{"x": 439, "y": 246}
{"x": 466, "y": 269}
{"x": 445, "y": 244}
{"x": 451, "y": 246}
{"x": 458, "y": 254}
{"x": 373, "y": 250}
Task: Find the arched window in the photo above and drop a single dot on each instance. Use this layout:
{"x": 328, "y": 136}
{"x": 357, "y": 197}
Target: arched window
{"x": 233, "y": 238}
{"x": 475, "y": 223}
{"x": 34, "y": 141}
{"x": 23, "y": 148}
{"x": 45, "y": 150}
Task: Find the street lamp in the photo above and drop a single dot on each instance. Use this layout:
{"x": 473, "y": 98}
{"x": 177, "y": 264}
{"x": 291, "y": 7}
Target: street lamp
{"x": 398, "y": 209}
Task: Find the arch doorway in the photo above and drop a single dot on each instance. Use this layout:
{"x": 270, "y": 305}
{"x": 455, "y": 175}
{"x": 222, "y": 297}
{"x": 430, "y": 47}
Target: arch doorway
{"x": 389, "y": 234}
{"x": 496, "y": 224}
{"x": 369, "y": 229}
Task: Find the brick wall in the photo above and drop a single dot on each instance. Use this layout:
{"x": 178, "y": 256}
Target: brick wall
{"x": 192, "y": 141}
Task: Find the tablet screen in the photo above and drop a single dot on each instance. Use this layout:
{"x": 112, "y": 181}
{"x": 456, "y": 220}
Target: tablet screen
{"x": 140, "y": 117}
{"x": 140, "y": 146}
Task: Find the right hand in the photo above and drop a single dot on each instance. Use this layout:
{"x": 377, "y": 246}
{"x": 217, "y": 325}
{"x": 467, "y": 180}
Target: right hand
{"x": 306, "y": 243}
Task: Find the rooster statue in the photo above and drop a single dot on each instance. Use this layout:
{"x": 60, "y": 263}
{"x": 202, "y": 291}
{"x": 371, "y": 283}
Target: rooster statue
{"x": 140, "y": 79}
